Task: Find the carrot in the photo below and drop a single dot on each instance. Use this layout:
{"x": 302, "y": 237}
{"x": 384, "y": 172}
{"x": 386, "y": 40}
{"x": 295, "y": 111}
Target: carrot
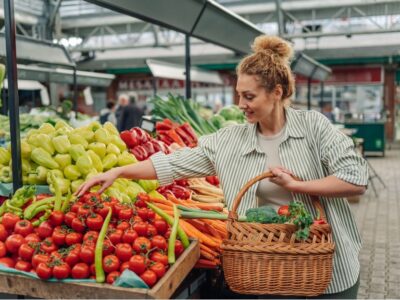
{"x": 206, "y": 255}
{"x": 206, "y": 264}
{"x": 161, "y": 201}
{"x": 201, "y": 236}
{"x": 212, "y": 231}
{"x": 209, "y": 250}
{"x": 198, "y": 224}
{"x": 163, "y": 206}
{"x": 208, "y": 207}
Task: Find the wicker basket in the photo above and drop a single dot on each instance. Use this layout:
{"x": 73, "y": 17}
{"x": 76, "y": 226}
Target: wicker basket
{"x": 260, "y": 259}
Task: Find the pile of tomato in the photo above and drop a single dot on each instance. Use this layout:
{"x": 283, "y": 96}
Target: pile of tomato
{"x": 64, "y": 245}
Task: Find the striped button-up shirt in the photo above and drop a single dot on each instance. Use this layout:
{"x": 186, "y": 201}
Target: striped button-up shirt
{"x": 312, "y": 149}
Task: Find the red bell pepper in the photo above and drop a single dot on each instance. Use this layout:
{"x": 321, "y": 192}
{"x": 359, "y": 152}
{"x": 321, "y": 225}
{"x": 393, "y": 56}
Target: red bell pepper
{"x": 175, "y": 137}
{"x": 140, "y": 153}
{"x": 162, "y": 126}
{"x": 189, "y": 130}
{"x": 166, "y": 139}
{"x": 185, "y": 137}
{"x": 129, "y": 138}
{"x": 141, "y": 135}
{"x": 149, "y": 148}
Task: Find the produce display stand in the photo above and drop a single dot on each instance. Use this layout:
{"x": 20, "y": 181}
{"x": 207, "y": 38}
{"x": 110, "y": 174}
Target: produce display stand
{"x": 21, "y": 285}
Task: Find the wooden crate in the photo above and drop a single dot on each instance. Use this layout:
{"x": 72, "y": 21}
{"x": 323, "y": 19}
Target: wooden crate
{"x": 21, "y": 285}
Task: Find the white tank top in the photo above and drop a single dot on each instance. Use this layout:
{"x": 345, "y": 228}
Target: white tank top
{"x": 269, "y": 193}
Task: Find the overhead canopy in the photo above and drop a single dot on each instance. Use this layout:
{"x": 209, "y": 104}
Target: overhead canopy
{"x": 203, "y": 19}
{"x": 161, "y": 69}
{"x": 306, "y": 66}
{"x": 29, "y": 49}
{"x": 59, "y": 75}
{"x": 29, "y": 85}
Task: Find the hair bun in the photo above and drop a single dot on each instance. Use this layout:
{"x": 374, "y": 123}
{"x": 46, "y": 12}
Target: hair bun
{"x": 273, "y": 43}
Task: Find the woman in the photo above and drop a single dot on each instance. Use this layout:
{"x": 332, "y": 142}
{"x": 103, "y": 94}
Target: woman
{"x": 279, "y": 138}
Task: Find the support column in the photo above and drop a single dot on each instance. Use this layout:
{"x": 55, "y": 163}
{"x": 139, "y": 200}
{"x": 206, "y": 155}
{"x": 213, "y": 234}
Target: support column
{"x": 390, "y": 101}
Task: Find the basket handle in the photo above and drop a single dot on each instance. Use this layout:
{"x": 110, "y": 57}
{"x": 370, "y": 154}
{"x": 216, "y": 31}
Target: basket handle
{"x": 233, "y": 213}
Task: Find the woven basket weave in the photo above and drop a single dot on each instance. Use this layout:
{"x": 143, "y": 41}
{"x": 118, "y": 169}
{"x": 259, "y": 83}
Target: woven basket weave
{"x": 260, "y": 259}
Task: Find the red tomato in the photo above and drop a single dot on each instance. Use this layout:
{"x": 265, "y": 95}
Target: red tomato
{"x": 158, "y": 268}
{"x": 110, "y": 263}
{"x": 179, "y": 248}
{"x": 23, "y": 266}
{"x": 124, "y": 266}
{"x": 13, "y": 242}
{"x": 55, "y": 255}
{"x": 7, "y": 261}
{"x": 117, "y": 208}
{"x": 123, "y": 225}
{"x": 69, "y": 216}
{"x": 9, "y": 220}
{"x": 102, "y": 209}
{"x": 140, "y": 203}
{"x": 91, "y": 236}
{"x": 39, "y": 258}
{"x": 56, "y": 218}
{"x": 108, "y": 248}
{"x": 115, "y": 236}
{"x": 142, "y": 213}
{"x": 48, "y": 245}
{"x": 94, "y": 222}
{"x": 43, "y": 271}
{"x": 73, "y": 238}
{"x": 137, "y": 264}
{"x": 87, "y": 254}
{"x": 159, "y": 242}
{"x": 140, "y": 228}
{"x": 129, "y": 236}
{"x": 23, "y": 227}
{"x": 72, "y": 258}
{"x": 42, "y": 196}
{"x": 137, "y": 219}
{"x": 78, "y": 225}
{"x": 123, "y": 251}
{"x": 151, "y": 230}
{"x": 75, "y": 207}
{"x": 161, "y": 226}
{"x": 3, "y": 249}
{"x": 58, "y": 237}
{"x": 80, "y": 271}
{"x": 150, "y": 214}
{"x": 149, "y": 277}
{"x": 3, "y": 233}
{"x": 112, "y": 277}
{"x": 141, "y": 244}
{"x": 125, "y": 214}
{"x": 45, "y": 230}
{"x": 92, "y": 269}
{"x": 83, "y": 210}
{"x": 61, "y": 271}
{"x": 284, "y": 211}
{"x": 32, "y": 238}
{"x": 159, "y": 257}
{"x": 26, "y": 252}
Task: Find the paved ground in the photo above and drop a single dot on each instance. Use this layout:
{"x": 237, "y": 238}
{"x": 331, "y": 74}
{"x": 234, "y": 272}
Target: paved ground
{"x": 378, "y": 218}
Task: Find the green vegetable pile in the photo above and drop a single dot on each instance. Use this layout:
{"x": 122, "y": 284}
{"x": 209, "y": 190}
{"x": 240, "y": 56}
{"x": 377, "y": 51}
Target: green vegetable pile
{"x": 298, "y": 215}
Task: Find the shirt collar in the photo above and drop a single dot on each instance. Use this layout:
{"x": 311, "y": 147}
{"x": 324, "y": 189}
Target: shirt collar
{"x": 293, "y": 130}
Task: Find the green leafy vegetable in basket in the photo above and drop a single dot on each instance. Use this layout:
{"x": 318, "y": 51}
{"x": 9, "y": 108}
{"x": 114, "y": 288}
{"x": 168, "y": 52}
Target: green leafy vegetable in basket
{"x": 264, "y": 214}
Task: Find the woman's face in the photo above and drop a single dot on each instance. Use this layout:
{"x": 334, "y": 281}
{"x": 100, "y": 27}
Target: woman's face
{"x": 254, "y": 100}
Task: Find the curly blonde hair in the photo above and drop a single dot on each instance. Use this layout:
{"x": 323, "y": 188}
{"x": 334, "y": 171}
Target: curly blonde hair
{"x": 270, "y": 61}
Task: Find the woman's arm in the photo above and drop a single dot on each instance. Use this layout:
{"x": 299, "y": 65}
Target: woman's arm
{"x": 329, "y": 186}
{"x": 141, "y": 170}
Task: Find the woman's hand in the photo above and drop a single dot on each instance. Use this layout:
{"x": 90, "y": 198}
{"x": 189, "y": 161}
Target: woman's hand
{"x": 283, "y": 177}
{"x": 105, "y": 180}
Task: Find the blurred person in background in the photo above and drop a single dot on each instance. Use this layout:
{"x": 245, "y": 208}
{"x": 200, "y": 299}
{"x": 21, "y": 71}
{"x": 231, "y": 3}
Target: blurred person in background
{"x": 123, "y": 100}
{"x": 130, "y": 116}
{"x": 108, "y": 114}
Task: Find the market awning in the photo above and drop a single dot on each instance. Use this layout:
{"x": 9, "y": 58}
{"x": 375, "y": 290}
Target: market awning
{"x": 203, "y": 19}
{"x": 38, "y": 51}
{"x": 65, "y": 76}
{"x": 29, "y": 85}
{"x": 161, "y": 69}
